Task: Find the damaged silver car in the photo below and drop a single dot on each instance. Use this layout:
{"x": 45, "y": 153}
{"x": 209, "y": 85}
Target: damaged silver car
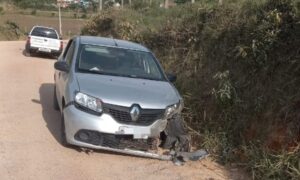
{"x": 113, "y": 95}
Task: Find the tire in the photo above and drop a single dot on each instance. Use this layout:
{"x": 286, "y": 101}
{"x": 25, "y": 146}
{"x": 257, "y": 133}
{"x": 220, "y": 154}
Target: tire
{"x": 27, "y": 53}
{"x": 55, "y": 102}
{"x": 55, "y": 55}
{"x": 63, "y": 139}
{"x": 176, "y": 136}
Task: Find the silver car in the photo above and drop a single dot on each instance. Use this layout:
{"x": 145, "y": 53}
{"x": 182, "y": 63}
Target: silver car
{"x": 114, "y": 95}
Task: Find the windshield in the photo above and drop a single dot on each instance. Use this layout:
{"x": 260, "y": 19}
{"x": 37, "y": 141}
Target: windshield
{"x": 118, "y": 62}
{"x": 44, "y": 32}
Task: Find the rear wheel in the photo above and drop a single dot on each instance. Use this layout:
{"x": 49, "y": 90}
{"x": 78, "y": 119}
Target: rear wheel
{"x": 55, "y": 55}
{"x": 27, "y": 53}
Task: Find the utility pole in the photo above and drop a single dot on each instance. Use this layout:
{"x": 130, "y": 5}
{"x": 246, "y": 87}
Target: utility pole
{"x": 166, "y": 4}
{"x": 193, "y": 1}
{"x": 122, "y": 4}
{"x": 220, "y": 2}
{"x": 59, "y": 18}
{"x": 100, "y": 5}
{"x": 130, "y": 3}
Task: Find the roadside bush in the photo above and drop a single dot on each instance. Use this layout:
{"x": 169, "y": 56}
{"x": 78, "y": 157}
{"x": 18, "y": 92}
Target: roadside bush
{"x": 33, "y": 12}
{"x": 10, "y": 31}
{"x": 83, "y": 16}
{"x": 35, "y": 4}
{"x": 1, "y": 10}
{"x": 238, "y": 71}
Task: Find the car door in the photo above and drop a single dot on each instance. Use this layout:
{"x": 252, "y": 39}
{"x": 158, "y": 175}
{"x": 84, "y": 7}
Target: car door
{"x": 61, "y": 78}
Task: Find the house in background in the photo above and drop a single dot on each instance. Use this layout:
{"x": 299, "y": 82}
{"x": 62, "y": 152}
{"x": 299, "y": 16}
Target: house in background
{"x": 67, "y": 3}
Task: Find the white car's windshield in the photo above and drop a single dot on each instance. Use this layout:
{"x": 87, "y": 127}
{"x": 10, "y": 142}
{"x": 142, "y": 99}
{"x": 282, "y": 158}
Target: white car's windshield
{"x": 118, "y": 62}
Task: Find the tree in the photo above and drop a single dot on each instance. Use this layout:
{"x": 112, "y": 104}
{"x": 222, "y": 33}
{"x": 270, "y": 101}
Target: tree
{"x": 37, "y": 4}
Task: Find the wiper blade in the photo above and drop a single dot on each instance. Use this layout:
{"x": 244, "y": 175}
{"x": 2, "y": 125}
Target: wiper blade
{"x": 138, "y": 77}
{"x": 155, "y": 79}
{"x": 91, "y": 71}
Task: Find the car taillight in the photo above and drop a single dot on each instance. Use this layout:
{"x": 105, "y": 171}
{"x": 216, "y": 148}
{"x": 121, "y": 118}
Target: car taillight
{"x": 28, "y": 40}
{"x": 61, "y": 45}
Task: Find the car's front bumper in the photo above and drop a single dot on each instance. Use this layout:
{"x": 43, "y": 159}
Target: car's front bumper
{"x": 76, "y": 120}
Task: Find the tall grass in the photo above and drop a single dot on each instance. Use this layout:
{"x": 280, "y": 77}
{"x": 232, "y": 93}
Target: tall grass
{"x": 238, "y": 71}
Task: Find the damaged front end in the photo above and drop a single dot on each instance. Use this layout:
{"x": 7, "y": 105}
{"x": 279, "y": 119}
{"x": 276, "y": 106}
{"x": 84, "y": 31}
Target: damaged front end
{"x": 151, "y": 133}
{"x": 172, "y": 144}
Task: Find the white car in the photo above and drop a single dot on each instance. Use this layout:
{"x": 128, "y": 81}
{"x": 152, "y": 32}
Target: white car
{"x": 43, "y": 40}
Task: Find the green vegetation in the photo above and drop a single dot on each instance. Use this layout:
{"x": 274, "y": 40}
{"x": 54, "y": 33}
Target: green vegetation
{"x": 36, "y": 4}
{"x": 1, "y": 10}
{"x": 10, "y": 31}
{"x": 238, "y": 69}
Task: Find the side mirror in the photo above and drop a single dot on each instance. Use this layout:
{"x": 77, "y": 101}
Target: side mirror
{"x": 61, "y": 66}
{"x": 172, "y": 78}
{"x": 60, "y": 38}
{"x": 26, "y": 33}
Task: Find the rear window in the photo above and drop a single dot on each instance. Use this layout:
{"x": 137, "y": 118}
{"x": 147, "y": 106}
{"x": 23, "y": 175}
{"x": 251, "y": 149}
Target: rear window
{"x": 44, "y": 32}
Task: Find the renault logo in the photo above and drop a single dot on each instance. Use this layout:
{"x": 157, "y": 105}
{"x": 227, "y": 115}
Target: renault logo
{"x": 135, "y": 113}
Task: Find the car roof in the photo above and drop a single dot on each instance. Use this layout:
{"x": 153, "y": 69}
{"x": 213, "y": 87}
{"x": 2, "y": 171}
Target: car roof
{"x": 118, "y": 43}
{"x": 37, "y": 26}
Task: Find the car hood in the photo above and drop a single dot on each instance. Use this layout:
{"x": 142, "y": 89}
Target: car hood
{"x": 124, "y": 91}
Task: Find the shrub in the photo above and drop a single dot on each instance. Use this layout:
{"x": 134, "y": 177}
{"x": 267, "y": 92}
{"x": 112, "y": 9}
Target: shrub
{"x": 33, "y": 12}
{"x": 1, "y": 10}
{"x": 83, "y": 16}
{"x": 10, "y": 31}
{"x": 238, "y": 71}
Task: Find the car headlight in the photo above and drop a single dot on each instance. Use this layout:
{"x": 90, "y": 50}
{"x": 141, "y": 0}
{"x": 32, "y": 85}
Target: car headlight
{"x": 88, "y": 102}
{"x": 173, "y": 109}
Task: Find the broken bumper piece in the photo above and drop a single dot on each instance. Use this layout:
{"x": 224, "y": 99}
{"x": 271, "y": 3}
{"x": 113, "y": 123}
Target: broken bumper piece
{"x": 179, "y": 158}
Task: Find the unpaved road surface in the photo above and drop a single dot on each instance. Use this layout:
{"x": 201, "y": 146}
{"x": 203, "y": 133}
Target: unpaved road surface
{"x": 29, "y": 133}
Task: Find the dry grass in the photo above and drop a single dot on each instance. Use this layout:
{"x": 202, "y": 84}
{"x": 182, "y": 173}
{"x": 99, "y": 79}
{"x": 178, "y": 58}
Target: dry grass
{"x": 70, "y": 26}
{"x": 238, "y": 71}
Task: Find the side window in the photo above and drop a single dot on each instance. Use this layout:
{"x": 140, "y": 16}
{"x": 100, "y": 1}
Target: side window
{"x": 70, "y": 53}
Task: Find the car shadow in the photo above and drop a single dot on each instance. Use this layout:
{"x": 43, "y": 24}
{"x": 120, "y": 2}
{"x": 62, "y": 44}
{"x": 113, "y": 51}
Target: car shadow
{"x": 53, "y": 118}
{"x": 40, "y": 55}
{"x": 50, "y": 115}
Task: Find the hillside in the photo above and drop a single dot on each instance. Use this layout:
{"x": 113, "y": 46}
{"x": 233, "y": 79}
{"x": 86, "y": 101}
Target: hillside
{"x": 238, "y": 71}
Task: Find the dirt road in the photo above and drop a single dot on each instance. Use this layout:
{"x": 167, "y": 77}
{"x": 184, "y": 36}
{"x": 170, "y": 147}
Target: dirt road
{"x": 29, "y": 133}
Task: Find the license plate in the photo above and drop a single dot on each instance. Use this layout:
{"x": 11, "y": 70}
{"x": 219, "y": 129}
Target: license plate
{"x": 44, "y": 49}
{"x": 125, "y": 130}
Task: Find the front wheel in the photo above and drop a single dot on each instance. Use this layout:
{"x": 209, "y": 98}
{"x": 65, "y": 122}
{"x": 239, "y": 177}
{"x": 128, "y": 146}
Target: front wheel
{"x": 63, "y": 136}
{"x": 55, "y": 102}
{"x": 176, "y": 136}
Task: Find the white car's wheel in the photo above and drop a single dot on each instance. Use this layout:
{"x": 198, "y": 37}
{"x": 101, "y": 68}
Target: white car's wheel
{"x": 27, "y": 53}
